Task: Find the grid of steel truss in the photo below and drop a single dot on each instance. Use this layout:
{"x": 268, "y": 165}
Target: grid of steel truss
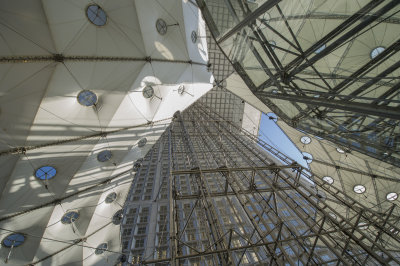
{"x": 229, "y": 201}
{"x": 358, "y": 110}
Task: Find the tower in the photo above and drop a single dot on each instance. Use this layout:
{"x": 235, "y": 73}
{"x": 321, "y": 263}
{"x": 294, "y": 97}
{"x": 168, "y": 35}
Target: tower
{"x": 222, "y": 197}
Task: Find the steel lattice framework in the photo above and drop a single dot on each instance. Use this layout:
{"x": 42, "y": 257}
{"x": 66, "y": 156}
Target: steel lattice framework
{"x": 311, "y": 75}
{"x": 232, "y": 199}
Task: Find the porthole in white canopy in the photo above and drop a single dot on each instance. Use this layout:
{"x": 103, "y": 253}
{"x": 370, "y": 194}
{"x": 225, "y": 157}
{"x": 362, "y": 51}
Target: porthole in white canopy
{"x": 101, "y": 248}
{"x": 117, "y": 218}
{"x": 142, "y": 142}
{"x": 193, "y": 36}
{"x": 13, "y": 240}
{"x": 70, "y": 217}
{"x": 320, "y": 49}
{"x": 305, "y": 140}
{"x": 328, "y": 180}
{"x": 161, "y": 26}
{"x": 110, "y": 198}
{"x": 359, "y": 189}
{"x": 96, "y": 15}
{"x": 45, "y": 172}
{"x": 148, "y": 92}
{"x": 104, "y": 156}
{"x": 376, "y": 51}
{"x": 181, "y": 89}
{"x": 391, "y": 196}
{"x": 87, "y": 98}
{"x": 308, "y": 157}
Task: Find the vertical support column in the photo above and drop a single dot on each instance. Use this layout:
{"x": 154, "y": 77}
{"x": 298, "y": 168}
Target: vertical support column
{"x": 215, "y": 230}
{"x": 172, "y": 205}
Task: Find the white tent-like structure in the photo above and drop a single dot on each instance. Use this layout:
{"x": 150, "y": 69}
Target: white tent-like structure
{"x": 86, "y": 87}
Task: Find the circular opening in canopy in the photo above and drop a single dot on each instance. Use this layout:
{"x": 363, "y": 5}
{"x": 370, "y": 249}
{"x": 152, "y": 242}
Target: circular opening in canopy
{"x": 148, "y": 92}
{"x": 328, "y": 179}
{"x": 161, "y": 26}
{"x": 45, "y": 172}
{"x": 101, "y": 248}
{"x": 391, "y": 196}
{"x": 13, "y": 240}
{"x": 104, "y": 156}
{"x": 117, "y": 218}
{"x": 305, "y": 140}
{"x": 193, "y": 36}
{"x": 181, "y": 89}
{"x": 142, "y": 142}
{"x": 70, "y": 217}
{"x": 308, "y": 157}
{"x": 87, "y": 98}
{"x": 359, "y": 189}
{"x": 376, "y": 51}
{"x": 110, "y": 197}
{"x": 320, "y": 49}
{"x": 96, "y": 15}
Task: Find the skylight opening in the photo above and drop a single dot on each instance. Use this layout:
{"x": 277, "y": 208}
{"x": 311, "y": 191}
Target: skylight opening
{"x": 359, "y": 189}
{"x": 308, "y": 157}
{"x": 110, "y": 198}
{"x": 161, "y": 26}
{"x": 320, "y": 49}
{"x": 142, "y": 142}
{"x": 376, "y": 51}
{"x": 193, "y": 36}
{"x": 117, "y": 218}
{"x": 70, "y": 217}
{"x": 391, "y": 196}
{"x": 87, "y": 98}
{"x": 148, "y": 92}
{"x": 101, "y": 248}
{"x": 104, "y": 156}
{"x": 305, "y": 140}
{"x": 328, "y": 179}
{"x": 13, "y": 240}
{"x": 96, "y": 15}
{"x": 45, "y": 172}
{"x": 270, "y": 133}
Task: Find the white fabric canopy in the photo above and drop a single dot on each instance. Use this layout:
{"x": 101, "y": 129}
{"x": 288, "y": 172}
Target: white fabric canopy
{"x": 50, "y": 52}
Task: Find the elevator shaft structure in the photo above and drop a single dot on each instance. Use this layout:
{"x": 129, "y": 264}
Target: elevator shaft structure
{"x": 234, "y": 200}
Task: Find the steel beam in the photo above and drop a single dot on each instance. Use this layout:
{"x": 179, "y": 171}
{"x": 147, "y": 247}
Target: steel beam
{"x": 361, "y": 108}
{"x": 267, "y": 5}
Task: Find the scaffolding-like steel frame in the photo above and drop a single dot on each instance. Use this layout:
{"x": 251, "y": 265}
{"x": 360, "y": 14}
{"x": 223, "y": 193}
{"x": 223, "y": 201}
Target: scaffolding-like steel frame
{"x": 369, "y": 126}
{"x": 265, "y": 191}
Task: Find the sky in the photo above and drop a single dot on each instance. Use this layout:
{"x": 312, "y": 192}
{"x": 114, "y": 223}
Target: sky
{"x": 272, "y": 134}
